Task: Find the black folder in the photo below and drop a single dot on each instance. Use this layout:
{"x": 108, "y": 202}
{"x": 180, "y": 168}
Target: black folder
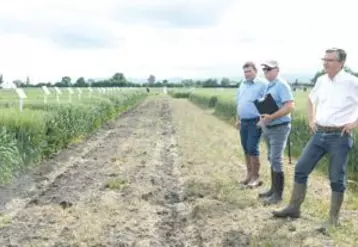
{"x": 267, "y": 105}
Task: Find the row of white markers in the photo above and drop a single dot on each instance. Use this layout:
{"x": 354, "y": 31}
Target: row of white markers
{"x": 21, "y": 94}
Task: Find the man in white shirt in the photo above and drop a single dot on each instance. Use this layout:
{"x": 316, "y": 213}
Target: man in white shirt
{"x": 335, "y": 96}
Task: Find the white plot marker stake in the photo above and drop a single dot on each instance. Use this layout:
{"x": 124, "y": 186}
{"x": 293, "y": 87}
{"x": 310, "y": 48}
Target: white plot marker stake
{"x": 70, "y": 90}
{"x": 21, "y": 94}
{"x": 90, "y": 91}
{"x": 58, "y": 92}
{"x": 46, "y": 93}
{"x": 79, "y": 93}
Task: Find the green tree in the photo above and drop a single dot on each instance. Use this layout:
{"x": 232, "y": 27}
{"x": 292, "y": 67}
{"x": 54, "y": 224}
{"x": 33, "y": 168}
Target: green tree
{"x": 118, "y": 77}
{"x": 66, "y": 81}
{"x": 80, "y": 82}
{"x": 151, "y": 80}
{"x": 225, "y": 82}
{"x": 27, "y": 81}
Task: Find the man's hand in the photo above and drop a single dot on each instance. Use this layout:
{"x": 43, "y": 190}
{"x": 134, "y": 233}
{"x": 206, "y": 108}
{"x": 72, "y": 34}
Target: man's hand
{"x": 312, "y": 126}
{"x": 349, "y": 127}
{"x": 266, "y": 118}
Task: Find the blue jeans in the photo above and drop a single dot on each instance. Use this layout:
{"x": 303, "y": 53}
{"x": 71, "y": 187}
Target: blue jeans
{"x": 250, "y": 136}
{"x": 276, "y": 140}
{"x": 322, "y": 143}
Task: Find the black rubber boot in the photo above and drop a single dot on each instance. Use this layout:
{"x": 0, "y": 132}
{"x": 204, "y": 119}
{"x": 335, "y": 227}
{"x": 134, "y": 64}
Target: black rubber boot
{"x": 270, "y": 191}
{"x": 276, "y": 196}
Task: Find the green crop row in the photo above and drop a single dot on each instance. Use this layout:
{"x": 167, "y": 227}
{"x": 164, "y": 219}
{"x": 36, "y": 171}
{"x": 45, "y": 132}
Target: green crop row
{"x": 41, "y": 130}
{"x": 224, "y": 107}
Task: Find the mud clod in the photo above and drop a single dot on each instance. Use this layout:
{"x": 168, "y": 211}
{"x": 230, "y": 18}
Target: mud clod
{"x": 66, "y": 204}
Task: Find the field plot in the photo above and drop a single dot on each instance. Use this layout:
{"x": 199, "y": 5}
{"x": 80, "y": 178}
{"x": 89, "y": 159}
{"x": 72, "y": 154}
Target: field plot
{"x": 164, "y": 173}
{"x": 43, "y": 128}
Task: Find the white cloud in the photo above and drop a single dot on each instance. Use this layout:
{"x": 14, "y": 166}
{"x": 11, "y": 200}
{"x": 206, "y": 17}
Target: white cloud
{"x": 49, "y": 39}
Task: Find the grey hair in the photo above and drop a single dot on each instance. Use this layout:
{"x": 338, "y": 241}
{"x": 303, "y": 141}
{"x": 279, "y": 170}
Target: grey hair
{"x": 341, "y": 54}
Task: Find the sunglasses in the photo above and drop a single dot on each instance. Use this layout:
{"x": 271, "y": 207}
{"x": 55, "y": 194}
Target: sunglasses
{"x": 268, "y": 69}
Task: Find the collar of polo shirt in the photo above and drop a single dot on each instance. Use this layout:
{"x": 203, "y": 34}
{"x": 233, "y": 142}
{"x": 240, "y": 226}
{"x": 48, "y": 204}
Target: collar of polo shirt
{"x": 274, "y": 81}
{"x": 338, "y": 76}
{"x": 251, "y": 81}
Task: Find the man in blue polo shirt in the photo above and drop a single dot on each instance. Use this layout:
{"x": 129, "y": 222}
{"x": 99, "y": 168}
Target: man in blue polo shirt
{"x": 276, "y": 128}
{"x": 247, "y": 117}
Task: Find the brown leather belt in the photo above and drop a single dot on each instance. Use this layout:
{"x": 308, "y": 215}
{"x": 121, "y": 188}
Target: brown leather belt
{"x": 329, "y": 128}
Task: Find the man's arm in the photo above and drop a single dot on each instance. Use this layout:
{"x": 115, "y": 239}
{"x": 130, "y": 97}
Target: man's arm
{"x": 237, "y": 103}
{"x": 349, "y": 127}
{"x": 288, "y": 107}
{"x": 311, "y": 105}
{"x": 311, "y": 115}
{"x": 311, "y": 111}
{"x": 286, "y": 96}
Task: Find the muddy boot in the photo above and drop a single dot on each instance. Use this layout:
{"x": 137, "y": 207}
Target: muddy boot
{"x": 255, "y": 179}
{"x": 333, "y": 220}
{"x": 293, "y": 208}
{"x": 249, "y": 171}
{"x": 276, "y": 196}
{"x": 270, "y": 191}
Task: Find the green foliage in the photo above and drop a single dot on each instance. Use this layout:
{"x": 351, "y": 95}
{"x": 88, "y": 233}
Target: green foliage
{"x": 41, "y": 130}
{"x": 179, "y": 94}
{"x": 225, "y": 108}
{"x": 203, "y": 99}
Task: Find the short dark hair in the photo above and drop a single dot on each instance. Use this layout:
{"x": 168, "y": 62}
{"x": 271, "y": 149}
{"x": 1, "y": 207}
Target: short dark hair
{"x": 248, "y": 65}
{"x": 341, "y": 54}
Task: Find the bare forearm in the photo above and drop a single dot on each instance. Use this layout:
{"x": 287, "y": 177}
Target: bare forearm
{"x": 311, "y": 112}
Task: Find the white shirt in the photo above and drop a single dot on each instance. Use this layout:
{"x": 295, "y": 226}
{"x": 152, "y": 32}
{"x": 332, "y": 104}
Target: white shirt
{"x": 336, "y": 100}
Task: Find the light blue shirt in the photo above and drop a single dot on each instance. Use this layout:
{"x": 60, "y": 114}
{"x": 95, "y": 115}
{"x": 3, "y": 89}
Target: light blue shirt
{"x": 247, "y": 93}
{"x": 281, "y": 93}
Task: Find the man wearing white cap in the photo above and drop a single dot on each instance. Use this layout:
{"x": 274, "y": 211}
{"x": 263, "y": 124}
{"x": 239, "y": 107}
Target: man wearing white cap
{"x": 276, "y": 128}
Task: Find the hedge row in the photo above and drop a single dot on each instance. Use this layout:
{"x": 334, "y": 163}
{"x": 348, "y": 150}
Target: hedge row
{"x": 43, "y": 129}
{"x": 225, "y": 109}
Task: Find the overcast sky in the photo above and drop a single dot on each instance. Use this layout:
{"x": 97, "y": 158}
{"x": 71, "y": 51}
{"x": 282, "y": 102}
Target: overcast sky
{"x": 47, "y": 39}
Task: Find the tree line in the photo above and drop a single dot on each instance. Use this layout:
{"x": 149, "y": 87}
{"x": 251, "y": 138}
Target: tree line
{"x": 119, "y": 80}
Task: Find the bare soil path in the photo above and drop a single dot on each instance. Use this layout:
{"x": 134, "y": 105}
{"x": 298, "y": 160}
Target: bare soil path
{"x": 163, "y": 174}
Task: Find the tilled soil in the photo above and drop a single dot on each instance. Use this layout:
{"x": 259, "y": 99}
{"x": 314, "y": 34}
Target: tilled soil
{"x": 120, "y": 188}
{"x": 163, "y": 174}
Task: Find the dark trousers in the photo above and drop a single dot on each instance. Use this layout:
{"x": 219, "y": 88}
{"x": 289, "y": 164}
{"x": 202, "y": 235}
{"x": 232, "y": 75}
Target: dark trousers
{"x": 321, "y": 143}
{"x": 250, "y": 136}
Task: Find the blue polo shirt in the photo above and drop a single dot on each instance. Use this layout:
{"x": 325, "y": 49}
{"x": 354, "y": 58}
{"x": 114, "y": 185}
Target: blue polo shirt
{"x": 246, "y": 94}
{"x": 281, "y": 93}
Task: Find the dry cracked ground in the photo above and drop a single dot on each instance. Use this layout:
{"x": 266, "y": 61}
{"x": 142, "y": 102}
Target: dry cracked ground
{"x": 163, "y": 174}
